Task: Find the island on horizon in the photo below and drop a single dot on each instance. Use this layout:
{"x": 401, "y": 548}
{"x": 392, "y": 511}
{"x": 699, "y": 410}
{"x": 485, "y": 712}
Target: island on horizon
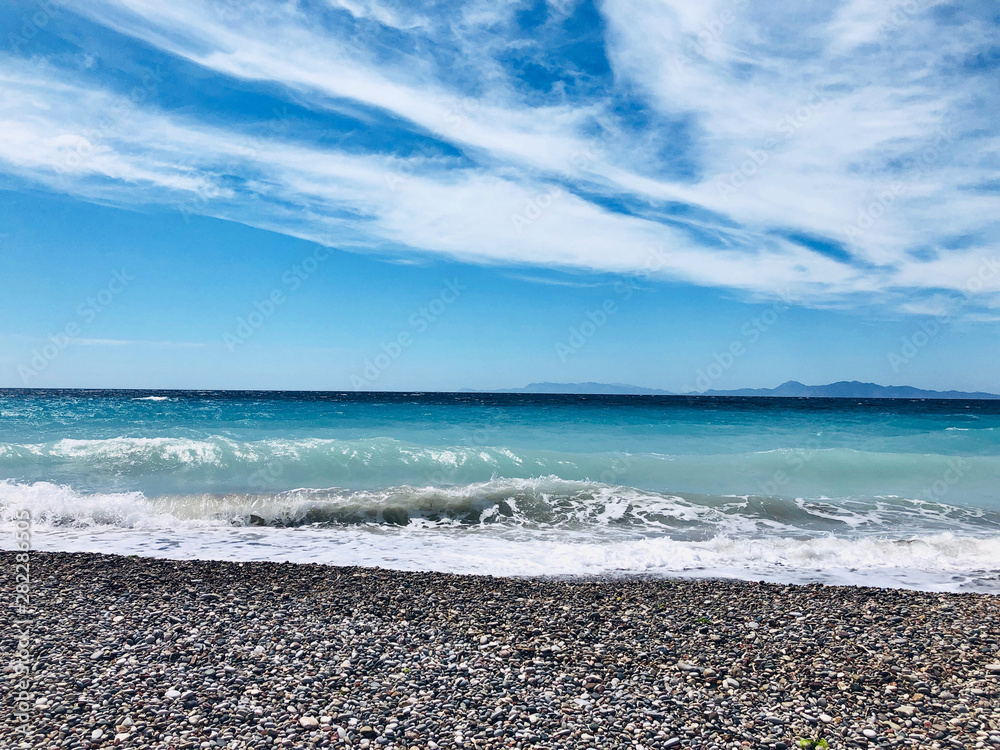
{"x": 789, "y": 389}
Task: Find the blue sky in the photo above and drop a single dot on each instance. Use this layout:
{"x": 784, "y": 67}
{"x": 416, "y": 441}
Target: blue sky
{"x": 348, "y": 194}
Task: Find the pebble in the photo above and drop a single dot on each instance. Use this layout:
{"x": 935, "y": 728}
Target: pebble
{"x": 257, "y": 656}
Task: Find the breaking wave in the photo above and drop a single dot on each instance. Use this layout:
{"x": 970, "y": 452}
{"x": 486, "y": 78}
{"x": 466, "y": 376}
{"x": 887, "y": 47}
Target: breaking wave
{"x": 219, "y": 464}
{"x": 545, "y": 503}
{"x": 544, "y": 526}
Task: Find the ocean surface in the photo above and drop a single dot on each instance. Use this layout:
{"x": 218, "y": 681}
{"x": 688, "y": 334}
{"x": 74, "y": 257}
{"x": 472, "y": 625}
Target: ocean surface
{"x": 878, "y": 492}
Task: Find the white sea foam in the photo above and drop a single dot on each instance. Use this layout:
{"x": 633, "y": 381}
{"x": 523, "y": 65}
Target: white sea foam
{"x": 939, "y": 562}
{"x": 139, "y": 451}
{"x": 581, "y": 534}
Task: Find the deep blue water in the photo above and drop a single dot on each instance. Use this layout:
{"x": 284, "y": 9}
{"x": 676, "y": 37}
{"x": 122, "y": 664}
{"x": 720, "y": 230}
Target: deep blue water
{"x": 611, "y": 474}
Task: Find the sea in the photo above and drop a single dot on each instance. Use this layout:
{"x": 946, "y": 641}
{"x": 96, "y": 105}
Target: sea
{"x": 878, "y": 492}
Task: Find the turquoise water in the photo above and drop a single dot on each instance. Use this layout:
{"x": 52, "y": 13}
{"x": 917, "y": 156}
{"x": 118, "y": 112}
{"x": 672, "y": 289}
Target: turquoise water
{"x": 902, "y": 492}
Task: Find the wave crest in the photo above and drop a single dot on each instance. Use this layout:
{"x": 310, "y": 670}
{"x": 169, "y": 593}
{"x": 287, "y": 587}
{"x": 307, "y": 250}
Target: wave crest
{"x": 540, "y": 504}
{"x": 544, "y": 526}
{"x": 219, "y": 464}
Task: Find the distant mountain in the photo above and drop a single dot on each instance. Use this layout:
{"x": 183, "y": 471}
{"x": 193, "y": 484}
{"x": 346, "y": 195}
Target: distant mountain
{"x": 845, "y": 389}
{"x": 791, "y": 389}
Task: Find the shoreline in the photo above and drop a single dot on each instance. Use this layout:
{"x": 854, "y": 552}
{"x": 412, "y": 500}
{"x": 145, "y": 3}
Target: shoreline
{"x": 928, "y": 563}
{"x": 157, "y": 653}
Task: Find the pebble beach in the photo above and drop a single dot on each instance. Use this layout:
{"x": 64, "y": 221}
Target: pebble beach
{"x": 148, "y": 653}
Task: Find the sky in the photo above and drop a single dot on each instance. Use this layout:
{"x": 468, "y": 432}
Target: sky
{"x": 352, "y": 194}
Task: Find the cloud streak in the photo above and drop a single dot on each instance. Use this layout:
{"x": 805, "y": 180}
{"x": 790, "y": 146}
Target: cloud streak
{"x": 835, "y": 155}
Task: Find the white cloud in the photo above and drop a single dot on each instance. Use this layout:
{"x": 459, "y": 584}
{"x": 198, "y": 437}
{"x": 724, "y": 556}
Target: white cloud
{"x": 468, "y": 214}
{"x": 812, "y": 124}
{"x": 401, "y": 18}
{"x": 832, "y": 121}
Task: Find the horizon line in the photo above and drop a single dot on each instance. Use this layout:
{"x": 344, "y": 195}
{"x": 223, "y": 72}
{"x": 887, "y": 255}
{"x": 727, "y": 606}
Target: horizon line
{"x": 517, "y": 392}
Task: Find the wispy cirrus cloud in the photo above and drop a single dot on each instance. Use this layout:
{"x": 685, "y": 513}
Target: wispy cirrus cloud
{"x": 83, "y": 341}
{"x": 137, "y": 342}
{"x": 834, "y": 153}
{"x": 465, "y": 213}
